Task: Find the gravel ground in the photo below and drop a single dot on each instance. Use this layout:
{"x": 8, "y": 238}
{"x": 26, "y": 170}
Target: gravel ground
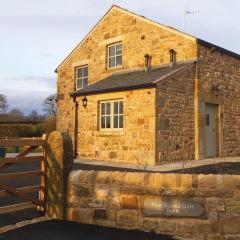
{"x": 63, "y": 230}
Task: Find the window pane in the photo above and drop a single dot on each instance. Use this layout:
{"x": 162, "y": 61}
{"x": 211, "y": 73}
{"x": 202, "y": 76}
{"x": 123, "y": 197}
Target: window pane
{"x": 115, "y": 107}
{"x": 119, "y": 60}
{"x": 112, "y": 62}
{"x": 120, "y": 121}
{"x": 103, "y": 108}
{"x": 120, "y": 107}
{"x": 85, "y": 72}
{"x": 79, "y": 83}
{"x": 108, "y": 125}
{"x": 102, "y": 122}
{"x": 85, "y": 82}
{"x": 108, "y": 108}
{"x": 115, "y": 122}
{"x": 79, "y": 72}
{"x": 111, "y": 51}
{"x": 119, "y": 49}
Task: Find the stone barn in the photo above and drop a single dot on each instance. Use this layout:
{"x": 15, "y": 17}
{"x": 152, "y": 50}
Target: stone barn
{"x": 137, "y": 91}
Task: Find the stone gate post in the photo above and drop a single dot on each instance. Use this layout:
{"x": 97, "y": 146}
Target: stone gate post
{"x": 58, "y": 166}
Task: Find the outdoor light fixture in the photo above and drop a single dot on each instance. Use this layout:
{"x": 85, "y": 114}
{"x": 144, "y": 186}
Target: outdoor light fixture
{"x": 84, "y": 102}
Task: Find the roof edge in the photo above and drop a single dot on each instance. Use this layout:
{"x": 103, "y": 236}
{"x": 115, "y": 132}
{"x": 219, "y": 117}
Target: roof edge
{"x": 118, "y": 89}
{"x": 220, "y": 49}
{"x": 175, "y": 72}
{"x": 86, "y": 36}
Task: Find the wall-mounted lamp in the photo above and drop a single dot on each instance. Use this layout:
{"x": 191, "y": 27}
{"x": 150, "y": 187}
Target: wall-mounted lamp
{"x": 84, "y": 102}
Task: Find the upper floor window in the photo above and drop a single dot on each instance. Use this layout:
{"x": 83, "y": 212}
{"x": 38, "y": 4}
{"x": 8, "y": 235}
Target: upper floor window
{"x": 111, "y": 114}
{"x": 81, "y": 77}
{"x": 115, "y": 55}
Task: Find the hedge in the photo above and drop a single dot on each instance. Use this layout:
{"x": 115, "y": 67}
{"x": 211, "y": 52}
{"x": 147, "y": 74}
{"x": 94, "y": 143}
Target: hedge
{"x": 26, "y": 130}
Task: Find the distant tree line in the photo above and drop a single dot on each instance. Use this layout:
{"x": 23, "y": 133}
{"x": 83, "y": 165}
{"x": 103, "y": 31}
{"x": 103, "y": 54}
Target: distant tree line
{"x": 14, "y": 123}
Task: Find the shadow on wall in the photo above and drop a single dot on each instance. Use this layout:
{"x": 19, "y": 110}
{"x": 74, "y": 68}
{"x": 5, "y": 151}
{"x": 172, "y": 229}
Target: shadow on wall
{"x": 58, "y": 166}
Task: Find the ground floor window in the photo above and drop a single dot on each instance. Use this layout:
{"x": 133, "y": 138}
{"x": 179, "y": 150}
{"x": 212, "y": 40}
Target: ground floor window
{"x": 111, "y": 114}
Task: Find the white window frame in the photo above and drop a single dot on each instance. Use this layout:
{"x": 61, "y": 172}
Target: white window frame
{"x": 115, "y": 55}
{"x": 112, "y": 114}
{"x": 82, "y": 78}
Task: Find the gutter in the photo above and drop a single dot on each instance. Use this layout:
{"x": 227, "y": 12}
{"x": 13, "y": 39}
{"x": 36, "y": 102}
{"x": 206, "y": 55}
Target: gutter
{"x": 109, "y": 90}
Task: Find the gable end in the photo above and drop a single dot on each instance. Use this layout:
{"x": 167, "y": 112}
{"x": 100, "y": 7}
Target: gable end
{"x": 142, "y": 18}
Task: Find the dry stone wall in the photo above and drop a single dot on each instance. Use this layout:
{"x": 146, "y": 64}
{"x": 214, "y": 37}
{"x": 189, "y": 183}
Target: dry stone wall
{"x": 189, "y": 206}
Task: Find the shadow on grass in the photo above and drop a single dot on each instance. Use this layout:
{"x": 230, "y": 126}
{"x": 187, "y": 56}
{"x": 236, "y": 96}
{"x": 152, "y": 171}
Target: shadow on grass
{"x": 63, "y": 230}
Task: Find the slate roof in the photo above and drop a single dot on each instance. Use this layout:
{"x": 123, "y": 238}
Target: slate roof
{"x": 130, "y": 80}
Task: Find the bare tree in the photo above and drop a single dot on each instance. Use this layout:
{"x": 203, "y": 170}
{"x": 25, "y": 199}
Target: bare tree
{"x": 15, "y": 115}
{"x": 33, "y": 116}
{"x": 3, "y": 104}
{"x": 16, "y": 112}
{"x": 50, "y": 105}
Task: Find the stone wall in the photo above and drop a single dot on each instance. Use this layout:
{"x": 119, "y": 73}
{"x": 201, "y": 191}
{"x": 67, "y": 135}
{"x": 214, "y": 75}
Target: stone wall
{"x": 138, "y": 36}
{"x": 134, "y": 144}
{"x": 221, "y": 70}
{"x": 175, "y": 117}
{"x": 209, "y": 209}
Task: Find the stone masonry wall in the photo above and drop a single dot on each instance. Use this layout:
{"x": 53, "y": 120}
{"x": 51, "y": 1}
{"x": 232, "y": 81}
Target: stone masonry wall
{"x": 223, "y": 71}
{"x": 134, "y": 144}
{"x": 175, "y": 117}
{"x": 116, "y": 199}
{"x": 138, "y": 37}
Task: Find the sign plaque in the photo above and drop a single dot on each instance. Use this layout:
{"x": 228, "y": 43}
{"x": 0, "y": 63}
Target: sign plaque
{"x": 171, "y": 207}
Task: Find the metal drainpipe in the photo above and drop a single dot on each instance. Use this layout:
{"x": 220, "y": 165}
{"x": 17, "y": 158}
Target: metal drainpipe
{"x": 75, "y": 126}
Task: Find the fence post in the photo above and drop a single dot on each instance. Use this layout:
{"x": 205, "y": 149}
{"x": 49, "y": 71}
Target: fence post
{"x": 42, "y": 192}
{"x": 58, "y": 166}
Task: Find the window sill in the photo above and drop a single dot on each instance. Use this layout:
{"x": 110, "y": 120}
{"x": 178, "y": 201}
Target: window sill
{"x": 110, "y": 133}
{"x": 114, "y": 69}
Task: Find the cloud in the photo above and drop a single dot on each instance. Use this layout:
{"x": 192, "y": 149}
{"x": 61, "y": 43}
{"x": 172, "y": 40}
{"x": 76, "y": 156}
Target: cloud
{"x": 41, "y": 22}
{"x": 27, "y": 93}
{"x": 28, "y": 83}
{"x": 27, "y": 102}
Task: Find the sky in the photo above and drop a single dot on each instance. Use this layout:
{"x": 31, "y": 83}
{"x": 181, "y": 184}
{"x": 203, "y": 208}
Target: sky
{"x": 37, "y": 35}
